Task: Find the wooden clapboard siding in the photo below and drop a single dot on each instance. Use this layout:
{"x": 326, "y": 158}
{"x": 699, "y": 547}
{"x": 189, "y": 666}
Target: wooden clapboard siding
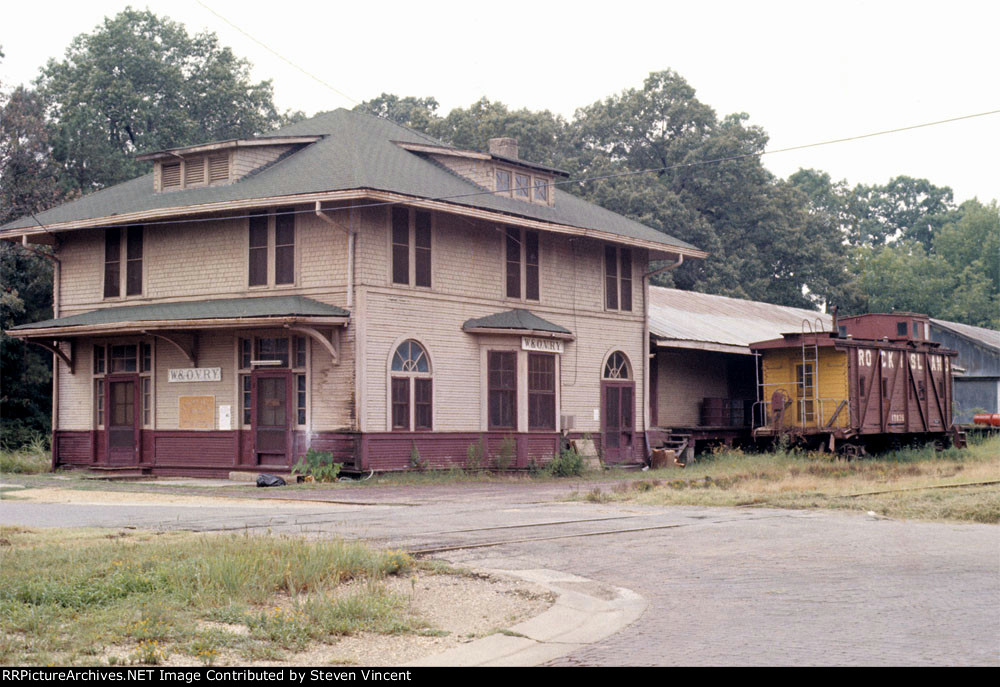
{"x": 73, "y": 448}
{"x": 76, "y": 391}
{"x": 245, "y": 160}
{"x": 331, "y": 397}
{"x": 215, "y": 349}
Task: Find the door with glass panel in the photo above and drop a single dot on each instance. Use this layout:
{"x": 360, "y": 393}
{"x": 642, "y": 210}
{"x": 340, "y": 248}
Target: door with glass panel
{"x": 122, "y": 428}
{"x": 271, "y": 421}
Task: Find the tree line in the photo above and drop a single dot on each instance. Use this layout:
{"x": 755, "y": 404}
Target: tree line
{"x": 656, "y": 154}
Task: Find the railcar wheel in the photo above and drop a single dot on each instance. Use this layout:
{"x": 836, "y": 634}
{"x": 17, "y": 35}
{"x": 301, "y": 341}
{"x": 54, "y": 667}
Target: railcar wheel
{"x": 851, "y": 451}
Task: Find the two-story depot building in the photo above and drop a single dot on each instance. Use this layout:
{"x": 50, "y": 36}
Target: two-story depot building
{"x": 349, "y": 285}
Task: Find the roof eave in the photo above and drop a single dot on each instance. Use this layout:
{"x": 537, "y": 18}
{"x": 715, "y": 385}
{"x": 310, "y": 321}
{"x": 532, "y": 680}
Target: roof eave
{"x": 501, "y": 331}
{"x": 186, "y": 211}
{"x": 140, "y": 326}
{"x": 171, "y": 153}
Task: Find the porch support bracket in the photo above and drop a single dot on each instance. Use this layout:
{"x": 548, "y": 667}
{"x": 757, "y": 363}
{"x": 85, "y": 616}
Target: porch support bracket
{"x": 189, "y": 351}
{"x": 54, "y": 348}
{"x": 331, "y": 343}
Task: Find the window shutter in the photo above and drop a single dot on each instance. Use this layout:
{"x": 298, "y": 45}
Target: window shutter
{"x": 170, "y": 175}
{"x": 218, "y": 168}
{"x": 194, "y": 171}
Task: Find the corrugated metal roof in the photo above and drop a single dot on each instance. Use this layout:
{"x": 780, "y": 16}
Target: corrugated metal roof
{"x": 986, "y": 337}
{"x": 681, "y": 317}
{"x": 356, "y": 151}
{"x": 274, "y": 306}
{"x": 515, "y": 319}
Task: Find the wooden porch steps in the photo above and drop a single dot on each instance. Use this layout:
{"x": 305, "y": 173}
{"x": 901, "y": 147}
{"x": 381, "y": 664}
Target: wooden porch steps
{"x": 680, "y": 443}
{"x": 117, "y": 473}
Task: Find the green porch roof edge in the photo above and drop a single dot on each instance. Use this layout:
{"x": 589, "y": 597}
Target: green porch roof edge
{"x": 226, "y": 308}
{"x": 515, "y": 319}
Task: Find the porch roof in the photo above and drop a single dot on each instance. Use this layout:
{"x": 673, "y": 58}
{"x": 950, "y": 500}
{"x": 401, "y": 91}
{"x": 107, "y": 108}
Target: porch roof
{"x": 223, "y": 312}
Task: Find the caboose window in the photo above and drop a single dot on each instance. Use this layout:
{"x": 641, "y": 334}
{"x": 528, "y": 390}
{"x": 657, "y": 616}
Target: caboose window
{"x": 901, "y": 329}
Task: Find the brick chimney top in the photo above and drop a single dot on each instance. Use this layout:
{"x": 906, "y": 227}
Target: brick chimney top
{"x": 504, "y": 147}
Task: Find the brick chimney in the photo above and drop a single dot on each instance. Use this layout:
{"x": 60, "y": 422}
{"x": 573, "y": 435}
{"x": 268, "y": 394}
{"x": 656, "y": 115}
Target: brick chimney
{"x": 503, "y": 147}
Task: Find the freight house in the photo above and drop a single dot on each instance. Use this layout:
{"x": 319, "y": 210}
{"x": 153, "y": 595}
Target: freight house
{"x": 349, "y": 285}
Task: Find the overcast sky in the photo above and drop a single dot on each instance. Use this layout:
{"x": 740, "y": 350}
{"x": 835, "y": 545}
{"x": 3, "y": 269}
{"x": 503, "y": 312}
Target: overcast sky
{"x": 804, "y": 71}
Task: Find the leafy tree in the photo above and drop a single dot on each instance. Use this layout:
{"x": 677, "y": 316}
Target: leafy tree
{"x": 141, "y": 83}
{"x": 28, "y": 174}
{"x": 415, "y": 113}
{"x": 903, "y": 208}
{"x": 25, "y": 296}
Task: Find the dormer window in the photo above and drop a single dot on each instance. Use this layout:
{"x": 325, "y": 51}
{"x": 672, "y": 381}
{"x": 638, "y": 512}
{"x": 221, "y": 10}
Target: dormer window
{"x": 170, "y": 175}
{"x": 503, "y": 181}
{"x": 522, "y": 186}
{"x": 194, "y": 171}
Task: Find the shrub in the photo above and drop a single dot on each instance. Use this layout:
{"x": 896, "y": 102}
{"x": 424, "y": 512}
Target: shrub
{"x": 319, "y": 464}
{"x": 474, "y": 457}
{"x": 505, "y": 458}
{"x": 416, "y": 462}
{"x": 568, "y": 463}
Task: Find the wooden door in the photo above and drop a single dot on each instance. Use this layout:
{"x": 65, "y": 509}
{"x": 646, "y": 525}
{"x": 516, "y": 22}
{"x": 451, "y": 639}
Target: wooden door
{"x": 122, "y": 428}
{"x": 272, "y": 417}
{"x": 618, "y": 421}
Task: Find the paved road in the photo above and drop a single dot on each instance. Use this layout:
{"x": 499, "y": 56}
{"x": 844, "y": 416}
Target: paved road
{"x": 725, "y": 586}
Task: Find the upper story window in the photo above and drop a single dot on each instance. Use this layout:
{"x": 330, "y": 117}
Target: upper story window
{"x": 122, "y": 278}
{"x": 411, "y": 388}
{"x": 271, "y": 254}
{"x": 618, "y": 278}
{"x": 411, "y": 247}
{"x": 522, "y": 274}
{"x": 522, "y": 185}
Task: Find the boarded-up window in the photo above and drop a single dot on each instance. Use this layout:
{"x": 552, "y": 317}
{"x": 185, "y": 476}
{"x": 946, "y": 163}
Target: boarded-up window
{"x": 541, "y": 391}
{"x": 112, "y": 263}
{"x": 422, "y": 244}
{"x": 133, "y": 270}
{"x": 502, "y": 374}
{"x": 218, "y": 168}
{"x": 400, "y": 246}
{"x": 170, "y": 175}
{"x": 284, "y": 246}
{"x": 194, "y": 171}
{"x": 258, "y": 249}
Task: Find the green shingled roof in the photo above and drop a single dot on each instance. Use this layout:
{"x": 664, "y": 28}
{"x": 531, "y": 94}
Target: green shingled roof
{"x": 515, "y": 319}
{"x": 356, "y": 151}
{"x": 277, "y": 306}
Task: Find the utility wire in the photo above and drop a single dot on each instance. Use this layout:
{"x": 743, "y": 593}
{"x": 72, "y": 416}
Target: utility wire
{"x": 583, "y": 180}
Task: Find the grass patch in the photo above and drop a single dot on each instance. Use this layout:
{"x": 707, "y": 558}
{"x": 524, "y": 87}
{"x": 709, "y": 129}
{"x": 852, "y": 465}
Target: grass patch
{"x": 792, "y": 479}
{"x": 29, "y": 459}
{"x": 88, "y": 597}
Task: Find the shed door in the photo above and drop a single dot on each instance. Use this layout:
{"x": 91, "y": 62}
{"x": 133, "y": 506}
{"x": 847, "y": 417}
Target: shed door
{"x": 272, "y": 403}
{"x": 122, "y": 428}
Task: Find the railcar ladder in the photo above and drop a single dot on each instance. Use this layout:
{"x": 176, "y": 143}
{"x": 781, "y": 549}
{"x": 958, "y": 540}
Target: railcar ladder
{"x": 809, "y": 383}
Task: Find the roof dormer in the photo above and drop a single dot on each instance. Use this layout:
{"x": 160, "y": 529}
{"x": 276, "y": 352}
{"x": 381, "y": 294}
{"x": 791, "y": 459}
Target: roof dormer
{"x": 220, "y": 163}
{"x": 500, "y": 171}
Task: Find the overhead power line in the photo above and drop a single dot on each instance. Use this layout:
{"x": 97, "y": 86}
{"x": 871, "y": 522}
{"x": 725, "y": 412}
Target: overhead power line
{"x": 600, "y": 177}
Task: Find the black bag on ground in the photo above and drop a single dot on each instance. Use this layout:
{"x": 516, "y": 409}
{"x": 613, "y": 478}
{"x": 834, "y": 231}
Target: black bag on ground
{"x": 266, "y": 480}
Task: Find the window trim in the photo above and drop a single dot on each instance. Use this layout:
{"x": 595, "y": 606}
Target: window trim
{"x": 412, "y": 249}
{"x": 411, "y": 377}
{"x": 243, "y": 374}
{"x": 100, "y": 370}
{"x": 271, "y": 249}
{"x": 523, "y": 282}
{"x": 124, "y": 263}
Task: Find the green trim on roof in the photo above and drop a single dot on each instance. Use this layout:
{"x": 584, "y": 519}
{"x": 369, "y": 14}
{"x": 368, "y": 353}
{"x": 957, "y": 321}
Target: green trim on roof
{"x": 356, "y": 151}
{"x": 274, "y": 306}
{"x": 515, "y": 319}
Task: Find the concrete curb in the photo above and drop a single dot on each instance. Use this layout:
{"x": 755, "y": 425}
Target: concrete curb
{"x": 585, "y": 611}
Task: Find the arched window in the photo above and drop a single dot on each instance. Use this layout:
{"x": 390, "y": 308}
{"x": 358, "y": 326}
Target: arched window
{"x": 617, "y": 367}
{"x": 410, "y": 388}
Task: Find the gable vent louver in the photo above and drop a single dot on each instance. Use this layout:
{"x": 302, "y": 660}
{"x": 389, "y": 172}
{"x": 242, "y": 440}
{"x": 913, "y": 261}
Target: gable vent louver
{"x": 218, "y": 168}
{"x": 170, "y": 175}
{"x": 194, "y": 171}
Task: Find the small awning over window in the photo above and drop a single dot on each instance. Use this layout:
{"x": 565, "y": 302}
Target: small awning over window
{"x": 517, "y": 322}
